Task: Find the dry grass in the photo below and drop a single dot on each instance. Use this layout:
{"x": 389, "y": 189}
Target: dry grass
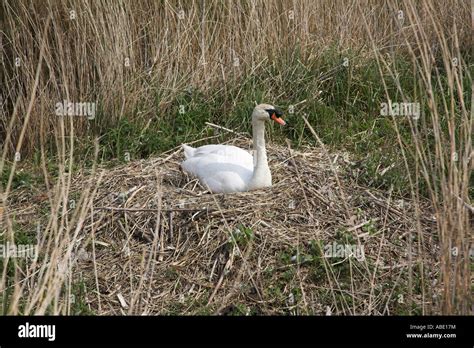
{"x": 154, "y": 242}
{"x": 170, "y": 51}
{"x": 121, "y": 233}
{"x": 442, "y": 151}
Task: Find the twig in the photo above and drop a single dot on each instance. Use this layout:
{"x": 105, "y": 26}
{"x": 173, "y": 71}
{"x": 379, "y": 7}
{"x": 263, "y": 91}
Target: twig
{"x": 138, "y": 210}
{"x": 223, "y": 128}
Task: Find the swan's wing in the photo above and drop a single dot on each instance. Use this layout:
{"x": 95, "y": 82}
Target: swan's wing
{"x": 231, "y": 153}
{"x": 220, "y": 173}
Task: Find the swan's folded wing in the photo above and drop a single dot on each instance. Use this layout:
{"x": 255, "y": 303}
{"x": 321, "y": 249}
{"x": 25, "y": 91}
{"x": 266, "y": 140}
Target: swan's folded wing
{"x": 226, "y": 153}
{"x": 218, "y": 173}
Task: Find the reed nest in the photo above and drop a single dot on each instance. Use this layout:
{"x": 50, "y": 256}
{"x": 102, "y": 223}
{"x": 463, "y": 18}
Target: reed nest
{"x": 156, "y": 242}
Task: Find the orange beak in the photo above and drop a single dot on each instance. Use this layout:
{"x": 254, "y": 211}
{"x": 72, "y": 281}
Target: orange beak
{"x": 278, "y": 120}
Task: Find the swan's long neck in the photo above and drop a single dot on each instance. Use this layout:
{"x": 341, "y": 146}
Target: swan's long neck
{"x": 261, "y": 172}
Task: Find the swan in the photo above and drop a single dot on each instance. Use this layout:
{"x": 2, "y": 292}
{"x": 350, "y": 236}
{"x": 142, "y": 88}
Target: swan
{"x": 227, "y": 168}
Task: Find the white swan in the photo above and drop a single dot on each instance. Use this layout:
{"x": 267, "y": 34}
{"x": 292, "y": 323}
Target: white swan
{"x": 227, "y": 168}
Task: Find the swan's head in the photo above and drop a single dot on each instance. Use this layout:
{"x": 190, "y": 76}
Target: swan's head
{"x": 265, "y": 112}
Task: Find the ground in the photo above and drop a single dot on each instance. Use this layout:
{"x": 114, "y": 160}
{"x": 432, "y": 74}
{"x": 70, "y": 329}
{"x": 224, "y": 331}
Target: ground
{"x": 153, "y": 241}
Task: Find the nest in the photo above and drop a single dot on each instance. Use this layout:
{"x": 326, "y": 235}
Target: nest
{"x": 162, "y": 244}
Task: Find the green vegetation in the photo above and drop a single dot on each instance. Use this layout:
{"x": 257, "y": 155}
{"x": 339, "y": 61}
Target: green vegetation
{"x": 158, "y": 82}
{"x": 341, "y": 103}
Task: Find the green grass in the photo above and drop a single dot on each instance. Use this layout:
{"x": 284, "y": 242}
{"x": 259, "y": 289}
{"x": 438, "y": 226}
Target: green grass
{"x": 22, "y": 178}
{"x": 77, "y": 299}
{"x": 142, "y": 116}
{"x": 242, "y": 236}
{"x": 346, "y": 115}
{"x": 22, "y": 236}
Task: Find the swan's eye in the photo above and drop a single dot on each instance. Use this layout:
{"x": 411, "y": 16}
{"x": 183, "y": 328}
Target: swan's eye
{"x": 274, "y": 112}
{"x": 275, "y": 115}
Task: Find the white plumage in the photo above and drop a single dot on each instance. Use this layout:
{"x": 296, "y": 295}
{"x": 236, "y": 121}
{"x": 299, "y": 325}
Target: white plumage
{"x": 221, "y": 168}
{"x": 227, "y": 168}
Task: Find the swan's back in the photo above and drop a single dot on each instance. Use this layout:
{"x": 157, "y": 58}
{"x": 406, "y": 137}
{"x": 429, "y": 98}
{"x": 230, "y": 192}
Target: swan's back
{"x": 221, "y": 168}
